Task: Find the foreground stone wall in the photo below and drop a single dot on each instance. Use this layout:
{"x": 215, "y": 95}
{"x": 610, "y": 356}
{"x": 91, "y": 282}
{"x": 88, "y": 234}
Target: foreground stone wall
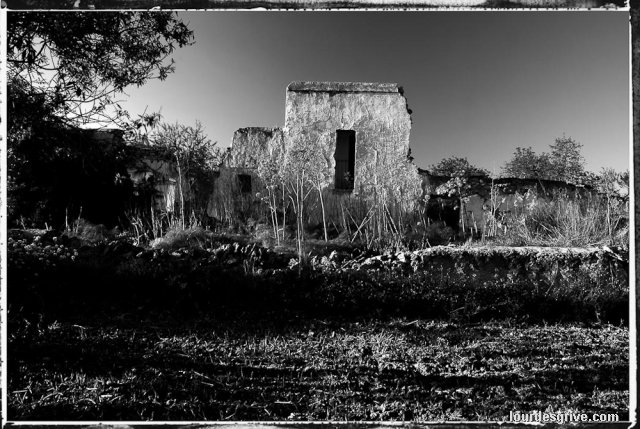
{"x": 552, "y": 267}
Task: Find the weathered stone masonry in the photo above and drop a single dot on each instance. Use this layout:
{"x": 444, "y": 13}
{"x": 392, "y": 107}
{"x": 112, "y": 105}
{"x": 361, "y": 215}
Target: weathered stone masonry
{"x": 376, "y": 113}
{"x": 238, "y": 183}
{"x": 356, "y": 136}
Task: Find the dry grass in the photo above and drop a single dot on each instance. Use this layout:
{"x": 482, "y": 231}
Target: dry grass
{"x": 570, "y": 223}
{"x": 178, "y": 237}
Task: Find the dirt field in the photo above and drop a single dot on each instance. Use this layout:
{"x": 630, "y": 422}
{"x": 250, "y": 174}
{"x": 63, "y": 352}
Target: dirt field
{"x": 236, "y": 332}
{"x": 316, "y": 370}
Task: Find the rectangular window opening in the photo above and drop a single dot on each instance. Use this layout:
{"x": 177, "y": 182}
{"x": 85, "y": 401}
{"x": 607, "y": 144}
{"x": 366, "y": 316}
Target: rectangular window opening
{"x": 345, "y": 157}
{"x": 244, "y": 182}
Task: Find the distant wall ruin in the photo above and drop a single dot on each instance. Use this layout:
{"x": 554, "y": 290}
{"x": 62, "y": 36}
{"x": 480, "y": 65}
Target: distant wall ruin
{"x": 241, "y": 176}
{"x": 503, "y": 195}
{"x": 154, "y": 175}
{"x": 250, "y": 146}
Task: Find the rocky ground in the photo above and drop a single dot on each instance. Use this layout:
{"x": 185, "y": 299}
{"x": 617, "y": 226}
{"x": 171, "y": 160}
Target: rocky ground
{"x": 222, "y": 328}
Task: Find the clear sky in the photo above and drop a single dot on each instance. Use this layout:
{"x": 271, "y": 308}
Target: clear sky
{"x": 479, "y": 83}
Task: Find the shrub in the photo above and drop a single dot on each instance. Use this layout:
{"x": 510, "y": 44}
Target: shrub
{"x": 263, "y": 233}
{"x": 178, "y": 237}
{"x": 88, "y": 232}
{"x": 439, "y": 233}
{"x": 590, "y": 221}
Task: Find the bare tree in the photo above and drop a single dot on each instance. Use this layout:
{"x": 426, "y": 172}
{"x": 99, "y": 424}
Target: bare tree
{"x": 196, "y": 156}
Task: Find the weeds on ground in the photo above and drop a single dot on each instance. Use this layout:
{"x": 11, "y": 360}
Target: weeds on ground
{"x": 566, "y": 222}
{"x": 252, "y": 369}
{"x": 179, "y": 237}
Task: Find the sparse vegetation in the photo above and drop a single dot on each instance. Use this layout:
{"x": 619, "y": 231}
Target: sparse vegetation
{"x": 196, "y": 158}
{"x": 563, "y": 222}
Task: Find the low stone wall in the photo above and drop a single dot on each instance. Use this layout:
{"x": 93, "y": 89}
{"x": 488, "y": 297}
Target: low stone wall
{"x": 544, "y": 265}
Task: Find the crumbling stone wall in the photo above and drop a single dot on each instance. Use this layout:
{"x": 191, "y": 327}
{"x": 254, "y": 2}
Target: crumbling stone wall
{"x": 510, "y": 195}
{"x": 154, "y": 168}
{"x": 250, "y": 146}
{"x": 376, "y": 112}
{"x": 251, "y": 150}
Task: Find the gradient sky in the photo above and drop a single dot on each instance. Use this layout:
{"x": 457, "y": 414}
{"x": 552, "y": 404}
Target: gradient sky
{"x": 479, "y": 83}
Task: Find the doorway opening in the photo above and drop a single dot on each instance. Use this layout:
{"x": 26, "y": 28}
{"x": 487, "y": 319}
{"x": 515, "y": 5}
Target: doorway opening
{"x": 345, "y": 157}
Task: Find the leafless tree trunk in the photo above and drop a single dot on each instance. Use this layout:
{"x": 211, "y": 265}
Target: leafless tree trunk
{"x": 284, "y": 212}
{"x": 324, "y": 220}
{"x": 181, "y": 194}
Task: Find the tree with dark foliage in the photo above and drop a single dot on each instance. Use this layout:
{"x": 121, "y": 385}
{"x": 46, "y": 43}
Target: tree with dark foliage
{"x": 75, "y": 63}
{"x": 526, "y": 164}
{"x": 456, "y": 166}
{"x": 64, "y": 70}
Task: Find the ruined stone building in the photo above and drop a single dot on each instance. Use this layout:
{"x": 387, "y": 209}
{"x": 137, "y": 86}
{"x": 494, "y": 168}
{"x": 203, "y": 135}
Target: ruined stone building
{"x": 360, "y": 130}
{"x": 497, "y": 197}
{"x": 351, "y": 139}
{"x": 152, "y": 170}
{"x": 349, "y": 143}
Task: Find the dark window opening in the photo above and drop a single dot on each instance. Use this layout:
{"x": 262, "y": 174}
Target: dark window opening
{"x": 345, "y": 157}
{"x": 244, "y": 181}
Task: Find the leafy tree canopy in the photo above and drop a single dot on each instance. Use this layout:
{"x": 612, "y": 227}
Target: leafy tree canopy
{"x": 69, "y": 66}
{"x": 567, "y": 163}
{"x": 526, "y": 164}
{"x": 564, "y": 162}
{"x": 456, "y": 167}
{"x": 189, "y": 145}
